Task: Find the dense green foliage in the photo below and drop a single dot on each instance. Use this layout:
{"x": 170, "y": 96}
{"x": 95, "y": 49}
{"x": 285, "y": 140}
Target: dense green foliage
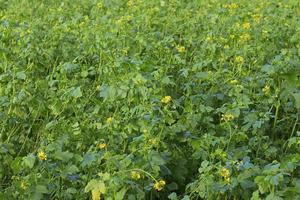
{"x": 173, "y": 99}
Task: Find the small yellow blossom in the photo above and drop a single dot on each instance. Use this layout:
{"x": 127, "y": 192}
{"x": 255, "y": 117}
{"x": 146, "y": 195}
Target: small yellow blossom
{"x": 240, "y": 162}
{"x": 135, "y": 175}
{"x": 245, "y": 37}
{"x": 239, "y": 60}
{"x": 227, "y": 117}
{"x": 234, "y": 81}
{"x": 266, "y": 89}
{"x": 159, "y": 185}
{"x": 145, "y": 130}
{"x": 237, "y": 25}
{"x": 231, "y": 6}
{"x": 100, "y": 5}
{"x": 42, "y": 155}
{"x": 130, "y": 3}
{"x": 109, "y": 120}
{"x": 225, "y": 173}
{"x": 102, "y": 145}
{"x": 166, "y": 99}
{"x": 247, "y": 25}
{"x": 209, "y": 39}
{"x": 227, "y": 179}
{"x": 226, "y": 46}
{"x": 24, "y": 185}
{"x": 256, "y": 17}
{"x": 15, "y": 178}
{"x": 153, "y": 141}
{"x": 96, "y": 194}
{"x": 180, "y": 49}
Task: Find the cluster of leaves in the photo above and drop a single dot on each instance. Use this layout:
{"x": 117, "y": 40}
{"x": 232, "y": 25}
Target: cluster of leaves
{"x": 156, "y": 99}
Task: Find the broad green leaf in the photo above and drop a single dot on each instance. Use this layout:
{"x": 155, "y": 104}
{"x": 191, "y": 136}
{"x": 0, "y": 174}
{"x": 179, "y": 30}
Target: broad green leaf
{"x": 41, "y": 189}
{"x": 255, "y": 195}
{"x": 120, "y": 194}
{"x": 29, "y": 160}
{"x": 64, "y": 156}
{"x": 95, "y": 185}
{"x": 21, "y": 75}
{"x": 173, "y": 196}
{"x": 156, "y": 159}
{"x": 297, "y": 99}
{"x": 76, "y": 92}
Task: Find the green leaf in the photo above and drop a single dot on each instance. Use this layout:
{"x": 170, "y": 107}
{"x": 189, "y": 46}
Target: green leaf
{"x": 95, "y": 185}
{"x": 88, "y": 159}
{"x": 69, "y": 67}
{"x": 269, "y": 69}
{"x": 76, "y": 92}
{"x": 255, "y": 195}
{"x": 297, "y": 99}
{"x": 120, "y": 194}
{"x": 291, "y": 79}
{"x": 21, "y": 75}
{"x": 272, "y": 196}
{"x": 29, "y": 160}
{"x": 41, "y": 189}
{"x": 276, "y": 179}
{"x": 156, "y": 159}
{"x": 91, "y": 185}
{"x": 186, "y": 197}
{"x": 64, "y": 156}
{"x": 72, "y": 169}
{"x": 104, "y": 91}
{"x": 173, "y": 196}
{"x": 262, "y": 184}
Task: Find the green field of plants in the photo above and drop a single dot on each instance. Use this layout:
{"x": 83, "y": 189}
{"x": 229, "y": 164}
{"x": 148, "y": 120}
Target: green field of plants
{"x": 149, "y": 99}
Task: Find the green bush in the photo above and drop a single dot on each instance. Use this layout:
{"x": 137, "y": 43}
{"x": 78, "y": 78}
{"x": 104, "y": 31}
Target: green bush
{"x": 173, "y": 99}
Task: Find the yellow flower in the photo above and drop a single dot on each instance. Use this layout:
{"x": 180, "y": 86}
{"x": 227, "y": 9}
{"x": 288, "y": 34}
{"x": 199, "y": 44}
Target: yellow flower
{"x": 231, "y": 6}
{"x": 265, "y": 32}
{"x": 100, "y": 5}
{"x": 135, "y": 175}
{"x": 266, "y": 89}
{"x": 109, "y": 120}
{"x": 24, "y": 185}
{"x": 226, "y": 46}
{"x": 42, "y": 156}
{"x": 130, "y": 3}
{"x": 153, "y": 141}
{"x": 96, "y": 194}
{"x": 102, "y": 145}
{"x": 145, "y": 130}
{"x": 166, "y": 99}
{"x": 234, "y": 81}
{"x": 208, "y": 39}
{"x": 180, "y": 49}
{"x": 227, "y": 179}
{"x": 159, "y": 185}
{"x": 227, "y": 117}
{"x": 225, "y": 173}
{"x": 239, "y": 60}
{"x": 247, "y": 25}
{"x": 256, "y": 17}
{"x": 245, "y": 37}
{"x": 15, "y": 178}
